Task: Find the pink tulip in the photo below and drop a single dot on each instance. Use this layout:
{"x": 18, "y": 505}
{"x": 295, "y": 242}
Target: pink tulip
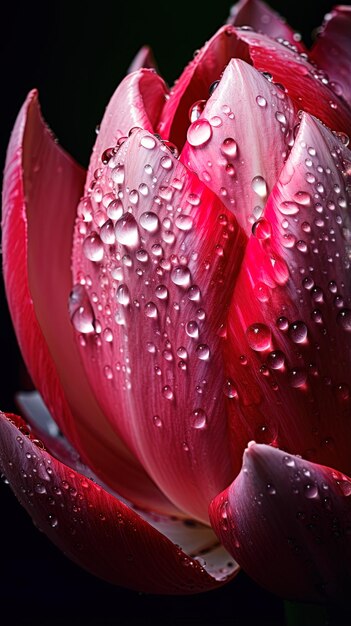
{"x": 209, "y": 306}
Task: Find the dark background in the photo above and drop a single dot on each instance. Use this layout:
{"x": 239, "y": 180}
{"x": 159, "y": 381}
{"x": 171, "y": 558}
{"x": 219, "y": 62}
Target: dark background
{"x": 76, "y": 55}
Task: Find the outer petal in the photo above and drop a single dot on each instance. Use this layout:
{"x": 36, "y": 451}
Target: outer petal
{"x": 304, "y": 84}
{"x": 288, "y": 341}
{"x": 332, "y": 50}
{"x": 263, "y": 19}
{"x": 251, "y": 124}
{"x": 41, "y": 189}
{"x": 160, "y": 278}
{"x": 96, "y": 530}
{"x": 137, "y": 101}
{"x": 143, "y": 59}
{"x": 287, "y": 522}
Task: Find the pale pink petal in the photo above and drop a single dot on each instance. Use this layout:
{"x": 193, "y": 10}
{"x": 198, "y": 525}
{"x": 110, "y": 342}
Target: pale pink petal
{"x": 249, "y": 124}
{"x": 160, "y": 278}
{"x": 288, "y": 345}
{"x": 143, "y": 59}
{"x": 287, "y": 522}
{"x": 332, "y": 50}
{"x": 96, "y": 530}
{"x": 41, "y": 190}
{"x": 260, "y": 17}
{"x": 137, "y": 101}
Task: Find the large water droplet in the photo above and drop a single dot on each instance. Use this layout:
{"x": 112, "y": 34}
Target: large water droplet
{"x": 199, "y": 419}
{"x": 259, "y": 186}
{"x": 126, "y": 230}
{"x": 203, "y": 352}
{"x": 229, "y": 147}
{"x": 115, "y": 209}
{"x": 93, "y": 247}
{"x": 123, "y": 295}
{"x": 151, "y": 310}
{"x": 149, "y": 221}
{"x": 184, "y": 222}
{"x": 192, "y": 329}
{"x": 148, "y": 142}
{"x": 161, "y": 292}
{"x": 298, "y": 332}
{"x": 196, "y": 110}
{"x": 80, "y": 310}
{"x": 181, "y": 276}
{"x": 199, "y": 133}
{"x": 107, "y": 233}
{"x": 276, "y": 359}
{"x": 262, "y": 229}
{"x": 261, "y": 101}
{"x": 259, "y": 337}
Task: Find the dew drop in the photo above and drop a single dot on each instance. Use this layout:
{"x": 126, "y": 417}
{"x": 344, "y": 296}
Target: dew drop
{"x": 184, "y": 222}
{"x": 117, "y": 175}
{"x": 202, "y": 352}
{"x": 107, "y": 233}
{"x": 196, "y": 110}
{"x": 229, "y": 147}
{"x": 199, "y": 133}
{"x": 343, "y": 318}
{"x": 151, "y": 310}
{"x": 115, "y": 209}
{"x": 259, "y": 337}
{"x": 161, "y": 292}
{"x": 123, "y": 295}
{"x": 148, "y": 142}
{"x": 310, "y": 490}
{"x": 297, "y": 377}
{"x": 93, "y": 247}
{"x": 276, "y": 360}
{"x": 80, "y": 310}
{"x": 167, "y": 392}
{"x": 157, "y": 421}
{"x": 192, "y": 329}
{"x": 166, "y": 162}
{"x": 261, "y": 101}
{"x": 194, "y": 293}
{"x": 262, "y": 229}
{"x": 126, "y": 230}
{"x": 229, "y": 389}
{"x": 181, "y": 276}
{"x": 259, "y": 186}
{"x": 199, "y": 419}
{"x": 149, "y": 221}
{"x": 298, "y": 332}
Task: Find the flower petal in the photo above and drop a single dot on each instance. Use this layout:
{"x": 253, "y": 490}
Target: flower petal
{"x": 263, "y": 19}
{"x": 332, "y": 50}
{"x": 249, "y": 141}
{"x": 288, "y": 345}
{"x": 143, "y": 59}
{"x": 287, "y": 522}
{"x": 160, "y": 278}
{"x": 94, "y": 529}
{"x": 137, "y": 101}
{"x": 41, "y": 189}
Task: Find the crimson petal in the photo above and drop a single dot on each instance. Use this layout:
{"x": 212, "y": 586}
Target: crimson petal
{"x": 332, "y": 50}
{"x": 287, "y": 522}
{"x": 93, "y": 528}
{"x": 248, "y": 143}
{"x": 260, "y": 17}
{"x": 162, "y": 254}
{"x": 41, "y": 190}
{"x": 288, "y": 345}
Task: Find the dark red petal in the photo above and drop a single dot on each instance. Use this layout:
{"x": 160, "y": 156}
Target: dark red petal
{"x": 288, "y": 345}
{"x": 160, "y": 278}
{"x": 41, "y": 190}
{"x": 288, "y": 524}
{"x": 260, "y": 17}
{"x": 249, "y": 141}
{"x": 143, "y": 59}
{"x": 137, "y": 101}
{"x": 332, "y": 50}
{"x": 93, "y": 528}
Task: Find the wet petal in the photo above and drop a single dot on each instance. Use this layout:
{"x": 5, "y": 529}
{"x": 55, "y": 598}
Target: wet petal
{"x": 332, "y": 50}
{"x": 162, "y": 254}
{"x": 288, "y": 346}
{"x": 143, "y": 59}
{"x": 251, "y": 124}
{"x": 260, "y": 17}
{"x": 137, "y": 101}
{"x": 41, "y": 190}
{"x": 96, "y": 530}
{"x": 287, "y": 522}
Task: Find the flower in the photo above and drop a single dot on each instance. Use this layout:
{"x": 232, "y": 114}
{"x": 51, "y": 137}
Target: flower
{"x": 208, "y": 307}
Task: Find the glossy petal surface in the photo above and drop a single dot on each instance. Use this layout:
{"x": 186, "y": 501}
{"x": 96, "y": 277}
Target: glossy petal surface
{"x": 288, "y": 346}
{"x": 332, "y": 50}
{"x": 251, "y": 123}
{"x": 93, "y": 528}
{"x": 143, "y": 59}
{"x": 161, "y": 270}
{"x": 41, "y": 190}
{"x": 287, "y": 522}
{"x": 260, "y": 17}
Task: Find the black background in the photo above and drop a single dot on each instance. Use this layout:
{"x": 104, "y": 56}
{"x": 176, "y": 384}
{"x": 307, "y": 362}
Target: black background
{"x": 76, "y": 55}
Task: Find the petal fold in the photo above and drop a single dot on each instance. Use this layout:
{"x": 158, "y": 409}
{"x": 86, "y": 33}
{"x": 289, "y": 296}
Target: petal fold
{"x": 162, "y": 254}
{"x": 96, "y": 530}
{"x": 287, "y": 522}
{"x": 332, "y": 50}
{"x": 41, "y": 190}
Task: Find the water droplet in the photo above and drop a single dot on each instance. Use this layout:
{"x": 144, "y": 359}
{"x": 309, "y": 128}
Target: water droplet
{"x": 203, "y": 352}
{"x": 281, "y": 118}
{"x": 282, "y": 323}
{"x": 229, "y": 147}
{"x": 115, "y": 209}
{"x": 148, "y": 142}
{"x": 108, "y": 373}
{"x": 298, "y": 332}
{"x": 181, "y": 276}
{"x": 194, "y": 293}
{"x": 288, "y": 207}
{"x": 196, "y": 110}
{"x": 80, "y": 310}
{"x": 199, "y": 133}
{"x": 123, "y": 295}
{"x": 229, "y": 389}
{"x": 297, "y": 377}
{"x": 157, "y": 421}
{"x": 53, "y": 521}
{"x": 276, "y": 359}
{"x": 117, "y": 175}
{"x": 261, "y": 101}
{"x": 192, "y": 329}
{"x": 259, "y": 337}
{"x": 161, "y": 292}
{"x": 310, "y": 490}
{"x": 151, "y": 310}
{"x": 343, "y": 318}
{"x": 199, "y": 419}
{"x": 303, "y": 197}
{"x": 262, "y": 229}
{"x": 184, "y": 222}
{"x": 126, "y": 230}
{"x": 107, "y": 233}
{"x": 108, "y": 335}
{"x": 93, "y": 247}
{"x": 167, "y": 392}
{"x": 259, "y": 186}
{"x": 166, "y": 162}
{"x": 142, "y": 255}
{"x": 149, "y": 221}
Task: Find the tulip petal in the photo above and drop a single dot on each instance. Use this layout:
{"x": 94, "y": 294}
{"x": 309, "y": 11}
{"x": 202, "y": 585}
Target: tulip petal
{"x": 249, "y": 141}
{"x": 263, "y": 19}
{"x": 41, "y": 189}
{"x": 143, "y": 59}
{"x": 137, "y": 101}
{"x": 160, "y": 278}
{"x": 95, "y": 529}
{"x": 332, "y": 50}
{"x": 288, "y": 340}
{"x": 287, "y": 522}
